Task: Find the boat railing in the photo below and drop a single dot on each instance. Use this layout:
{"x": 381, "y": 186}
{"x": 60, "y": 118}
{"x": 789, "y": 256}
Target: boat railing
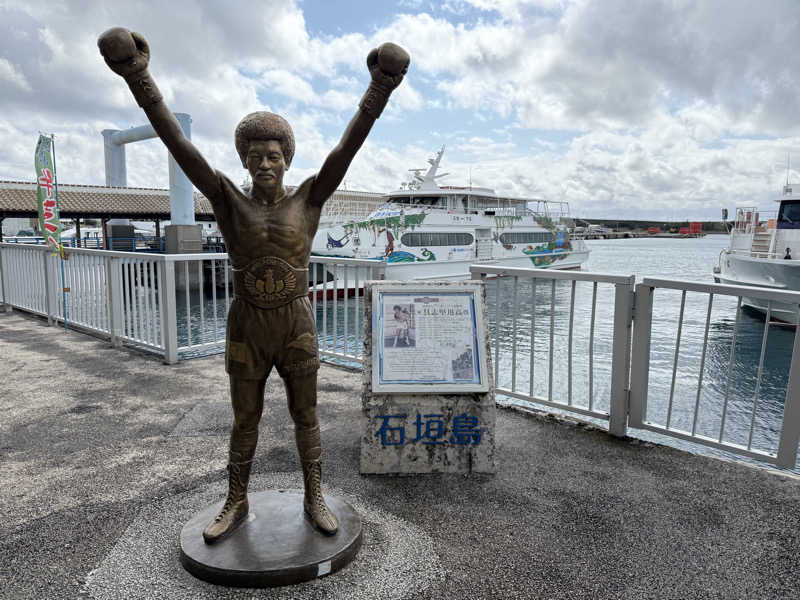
{"x": 747, "y": 219}
{"x": 552, "y": 209}
{"x": 761, "y": 255}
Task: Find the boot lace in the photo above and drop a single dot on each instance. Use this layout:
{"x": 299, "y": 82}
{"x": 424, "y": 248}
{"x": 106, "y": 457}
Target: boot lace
{"x": 235, "y": 471}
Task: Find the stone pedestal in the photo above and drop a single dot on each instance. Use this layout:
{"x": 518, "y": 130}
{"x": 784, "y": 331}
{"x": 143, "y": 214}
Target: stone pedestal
{"x": 276, "y": 545}
{"x": 183, "y": 239}
{"x": 405, "y": 433}
{"x": 406, "y": 449}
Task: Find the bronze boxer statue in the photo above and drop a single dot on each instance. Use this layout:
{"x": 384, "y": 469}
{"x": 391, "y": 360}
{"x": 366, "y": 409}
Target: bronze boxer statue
{"x": 268, "y": 234}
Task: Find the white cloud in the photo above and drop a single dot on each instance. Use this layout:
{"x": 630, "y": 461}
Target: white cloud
{"x": 288, "y": 84}
{"x": 11, "y": 76}
{"x": 616, "y": 106}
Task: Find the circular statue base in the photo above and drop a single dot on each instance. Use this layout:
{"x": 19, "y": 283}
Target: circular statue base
{"x": 277, "y": 544}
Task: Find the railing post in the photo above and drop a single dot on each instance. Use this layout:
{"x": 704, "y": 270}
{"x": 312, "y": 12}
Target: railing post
{"x": 790, "y": 432}
{"x": 620, "y": 358}
{"x": 48, "y": 305}
{"x": 6, "y": 304}
{"x": 115, "y": 310}
{"x": 169, "y": 319}
{"x": 640, "y": 355}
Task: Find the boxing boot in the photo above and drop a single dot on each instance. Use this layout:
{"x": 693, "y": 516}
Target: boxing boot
{"x": 310, "y": 450}
{"x": 236, "y": 507}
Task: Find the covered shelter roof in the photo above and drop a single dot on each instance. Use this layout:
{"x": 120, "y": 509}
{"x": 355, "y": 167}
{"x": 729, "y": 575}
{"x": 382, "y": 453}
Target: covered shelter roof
{"x": 18, "y": 199}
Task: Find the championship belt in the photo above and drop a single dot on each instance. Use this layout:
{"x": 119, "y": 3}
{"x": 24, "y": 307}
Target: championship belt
{"x": 269, "y": 282}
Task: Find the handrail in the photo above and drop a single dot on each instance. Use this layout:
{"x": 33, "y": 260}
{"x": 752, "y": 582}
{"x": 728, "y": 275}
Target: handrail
{"x": 98, "y": 252}
{"x": 759, "y": 255}
{"x": 532, "y": 272}
{"x": 724, "y": 289}
{"x": 356, "y": 262}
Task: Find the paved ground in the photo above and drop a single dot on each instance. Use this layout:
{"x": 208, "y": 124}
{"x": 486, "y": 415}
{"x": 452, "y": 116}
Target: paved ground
{"x": 104, "y": 453}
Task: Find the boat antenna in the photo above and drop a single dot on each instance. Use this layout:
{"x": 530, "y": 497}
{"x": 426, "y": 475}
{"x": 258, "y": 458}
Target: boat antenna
{"x": 470, "y": 178}
{"x": 788, "y": 166}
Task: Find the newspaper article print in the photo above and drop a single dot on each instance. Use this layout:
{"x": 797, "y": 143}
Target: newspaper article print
{"x": 428, "y": 339}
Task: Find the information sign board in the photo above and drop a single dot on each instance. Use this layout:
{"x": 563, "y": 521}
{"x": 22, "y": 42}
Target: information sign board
{"x": 428, "y": 339}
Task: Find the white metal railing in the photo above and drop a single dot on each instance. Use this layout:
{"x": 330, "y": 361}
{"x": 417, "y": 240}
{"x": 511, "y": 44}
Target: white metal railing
{"x": 175, "y": 304}
{"x": 686, "y": 412}
{"x": 337, "y": 303}
{"x": 709, "y": 423}
{"x": 557, "y": 308}
{"x": 114, "y": 294}
{"x": 611, "y": 341}
{"x": 23, "y": 239}
{"x": 200, "y": 317}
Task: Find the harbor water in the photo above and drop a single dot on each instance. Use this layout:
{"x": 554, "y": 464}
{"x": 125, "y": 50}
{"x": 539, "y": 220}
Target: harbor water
{"x": 683, "y": 258}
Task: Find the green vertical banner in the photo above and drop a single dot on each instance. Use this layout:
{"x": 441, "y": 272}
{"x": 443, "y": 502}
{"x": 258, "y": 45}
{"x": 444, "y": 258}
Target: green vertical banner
{"x": 49, "y": 223}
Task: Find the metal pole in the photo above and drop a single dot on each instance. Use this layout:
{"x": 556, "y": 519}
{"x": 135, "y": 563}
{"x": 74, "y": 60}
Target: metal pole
{"x": 61, "y": 247}
{"x": 6, "y": 304}
{"x": 790, "y": 432}
{"x": 169, "y": 320}
{"x": 48, "y": 308}
{"x": 113, "y": 266}
{"x": 640, "y": 355}
{"x": 620, "y": 359}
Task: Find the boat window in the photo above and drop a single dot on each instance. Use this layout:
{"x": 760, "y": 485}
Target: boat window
{"x": 426, "y": 200}
{"x": 484, "y": 202}
{"x": 436, "y": 239}
{"x": 526, "y": 237}
{"x": 789, "y": 215}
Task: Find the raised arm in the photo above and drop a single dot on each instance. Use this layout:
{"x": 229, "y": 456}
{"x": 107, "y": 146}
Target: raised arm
{"x": 387, "y": 65}
{"x": 128, "y": 54}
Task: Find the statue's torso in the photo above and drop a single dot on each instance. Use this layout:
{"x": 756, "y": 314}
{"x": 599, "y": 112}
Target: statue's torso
{"x": 254, "y": 230}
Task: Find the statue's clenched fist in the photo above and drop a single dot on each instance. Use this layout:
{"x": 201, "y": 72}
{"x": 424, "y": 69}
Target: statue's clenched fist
{"x": 387, "y": 64}
{"x": 125, "y": 52}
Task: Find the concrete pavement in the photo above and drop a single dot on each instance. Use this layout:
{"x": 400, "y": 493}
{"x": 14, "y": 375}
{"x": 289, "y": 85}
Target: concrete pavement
{"x": 104, "y": 453}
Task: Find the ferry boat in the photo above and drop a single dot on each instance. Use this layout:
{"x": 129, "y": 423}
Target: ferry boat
{"x": 428, "y": 231}
{"x": 765, "y": 255}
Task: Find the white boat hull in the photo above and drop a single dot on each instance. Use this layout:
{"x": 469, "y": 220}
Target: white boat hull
{"x": 459, "y": 269}
{"x": 776, "y": 274}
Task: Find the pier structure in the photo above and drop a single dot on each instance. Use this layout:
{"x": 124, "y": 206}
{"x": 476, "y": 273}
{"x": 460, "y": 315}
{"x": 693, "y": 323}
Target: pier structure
{"x": 619, "y": 228}
{"x": 183, "y": 235}
{"x": 107, "y": 452}
{"x": 135, "y": 299}
{"x": 124, "y": 204}
{"x": 580, "y": 499}
{"x": 618, "y": 234}
{"x": 80, "y": 203}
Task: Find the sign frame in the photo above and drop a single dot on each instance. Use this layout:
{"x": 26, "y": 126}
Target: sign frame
{"x": 473, "y": 292}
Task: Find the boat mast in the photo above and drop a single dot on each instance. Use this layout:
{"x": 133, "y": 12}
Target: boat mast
{"x": 786, "y": 188}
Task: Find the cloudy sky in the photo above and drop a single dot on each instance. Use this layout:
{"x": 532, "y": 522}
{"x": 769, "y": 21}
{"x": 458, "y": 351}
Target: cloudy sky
{"x": 650, "y": 109}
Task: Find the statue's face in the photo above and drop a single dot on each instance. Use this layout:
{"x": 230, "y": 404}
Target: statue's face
{"x": 265, "y": 164}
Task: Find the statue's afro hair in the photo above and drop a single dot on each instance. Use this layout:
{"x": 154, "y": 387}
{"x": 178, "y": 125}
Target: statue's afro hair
{"x": 263, "y": 125}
